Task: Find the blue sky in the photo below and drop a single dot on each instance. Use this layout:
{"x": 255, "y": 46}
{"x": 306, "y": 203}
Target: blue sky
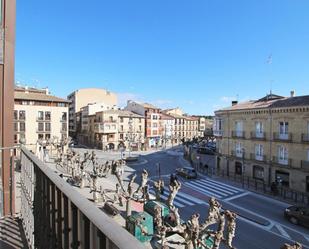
{"x": 197, "y": 54}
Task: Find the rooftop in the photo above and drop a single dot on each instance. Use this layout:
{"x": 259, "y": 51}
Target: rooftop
{"x": 18, "y": 95}
{"x": 123, "y": 113}
{"x": 269, "y": 101}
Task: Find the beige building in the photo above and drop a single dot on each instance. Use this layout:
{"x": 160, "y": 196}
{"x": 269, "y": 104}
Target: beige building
{"x": 266, "y": 139}
{"x": 113, "y": 129}
{"x": 185, "y": 127}
{"x": 83, "y": 97}
{"x": 39, "y": 115}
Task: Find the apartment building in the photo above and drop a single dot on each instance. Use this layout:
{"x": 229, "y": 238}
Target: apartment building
{"x": 266, "y": 139}
{"x": 39, "y": 115}
{"x": 113, "y": 129}
{"x": 83, "y": 97}
{"x": 154, "y": 129}
{"x": 168, "y": 124}
{"x": 83, "y": 119}
{"x": 205, "y": 125}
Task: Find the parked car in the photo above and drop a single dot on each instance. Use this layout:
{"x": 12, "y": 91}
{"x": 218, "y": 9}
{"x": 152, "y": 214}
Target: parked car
{"x": 297, "y": 215}
{"x": 205, "y": 150}
{"x": 187, "y": 172}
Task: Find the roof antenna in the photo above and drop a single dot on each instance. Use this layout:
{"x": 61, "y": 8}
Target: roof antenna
{"x": 269, "y": 61}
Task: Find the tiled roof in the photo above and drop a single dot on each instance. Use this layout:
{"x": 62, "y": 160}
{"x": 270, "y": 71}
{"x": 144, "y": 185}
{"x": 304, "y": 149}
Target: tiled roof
{"x": 275, "y": 102}
{"x": 123, "y": 113}
{"x": 38, "y": 97}
{"x": 147, "y": 105}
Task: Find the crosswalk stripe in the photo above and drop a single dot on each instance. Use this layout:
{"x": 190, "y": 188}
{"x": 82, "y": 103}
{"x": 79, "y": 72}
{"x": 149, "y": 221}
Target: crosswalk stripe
{"x": 230, "y": 190}
{"x": 213, "y": 186}
{"x": 177, "y": 198}
{"x": 282, "y": 231}
{"x": 223, "y": 184}
{"x": 191, "y": 198}
{"x": 198, "y": 188}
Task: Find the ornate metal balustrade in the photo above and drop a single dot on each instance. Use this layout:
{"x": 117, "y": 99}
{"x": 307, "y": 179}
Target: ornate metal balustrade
{"x": 57, "y": 216}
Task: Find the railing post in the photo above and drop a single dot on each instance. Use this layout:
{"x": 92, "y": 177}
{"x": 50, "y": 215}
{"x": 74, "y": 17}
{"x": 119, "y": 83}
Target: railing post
{"x": 75, "y": 242}
{"x": 59, "y": 219}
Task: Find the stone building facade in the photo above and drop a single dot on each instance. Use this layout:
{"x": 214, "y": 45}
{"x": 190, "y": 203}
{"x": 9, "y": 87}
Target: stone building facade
{"x": 266, "y": 139}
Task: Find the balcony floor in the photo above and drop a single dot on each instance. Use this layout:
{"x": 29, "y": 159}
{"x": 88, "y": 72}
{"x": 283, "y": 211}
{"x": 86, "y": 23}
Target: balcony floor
{"x": 12, "y": 234}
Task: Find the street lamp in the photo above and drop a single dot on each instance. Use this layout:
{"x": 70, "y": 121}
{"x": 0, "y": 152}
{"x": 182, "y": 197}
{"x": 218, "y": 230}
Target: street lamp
{"x": 243, "y": 166}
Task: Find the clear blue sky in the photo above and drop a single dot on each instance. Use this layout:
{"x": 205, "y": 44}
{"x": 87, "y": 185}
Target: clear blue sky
{"x": 195, "y": 54}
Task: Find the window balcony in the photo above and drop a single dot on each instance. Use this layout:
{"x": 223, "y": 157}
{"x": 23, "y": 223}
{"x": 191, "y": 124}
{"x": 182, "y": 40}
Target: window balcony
{"x": 287, "y": 137}
{"x": 238, "y": 134}
{"x": 54, "y": 213}
{"x": 238, "y": 154}
{"x": 305, "y": 138}
{"x": 305, "y": 165}
{"x": 282, "y": 161}
{"x": 260, "y": 158}
{"x": 218, "y": 133}
{"x": 105, "y": 128}
{"x": 258, "y": 135}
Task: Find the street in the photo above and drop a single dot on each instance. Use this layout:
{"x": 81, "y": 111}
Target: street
{"x": 260, "y": 222}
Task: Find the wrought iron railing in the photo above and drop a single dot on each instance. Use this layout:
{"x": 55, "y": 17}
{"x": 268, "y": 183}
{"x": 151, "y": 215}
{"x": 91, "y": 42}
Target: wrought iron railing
{"x": 57, "y": 216}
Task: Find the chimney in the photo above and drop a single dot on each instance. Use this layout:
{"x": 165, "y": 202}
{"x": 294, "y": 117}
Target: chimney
{"x": 292, "y": 93}
{"x": 26, "y": 89}
{"x": 234, "y": 102}
{"x": 46, "y": 91}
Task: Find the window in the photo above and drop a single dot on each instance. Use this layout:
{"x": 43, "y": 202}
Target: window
{"x": 40, "y": 115}
{"x": 22, "y": 126}
{"x": 22, "y": 115}
{"x": 41, "y": 127}
{"x": 259, "y": 152}
{"x": 140, "y": 128}
{"x": 283, "y": 155}
{"x": 121, "y": 127}
{"x": 154, "y": 125}
{"x": 239, "y": 128}
{"x": 61, "y": 104}
{"x": 283, "y": 128}
{"x": 239, "y": 150}
{"x": 47, "y": 136}
{"x": 110, "y": 118}
{"x": 259, "y": 129}
{"x": 154, "y": 117}
{"x": 47, "y": 126}
{"x": 47, "y": 115}
{"x": 15, "y": 115}
{"x": 15, "y": 139}
{"x": 121, "y": 136}
{"x": 15, "y": 126}
{"x": 140, "y": 120}
{"x": 40, "y": 136}
{"x": 64, "y": 116}
{"x": 121, "y": 119}
{"x": 114, "y": 127}
{"x": 238, "y": 168}
{"x": 64, "y": 127}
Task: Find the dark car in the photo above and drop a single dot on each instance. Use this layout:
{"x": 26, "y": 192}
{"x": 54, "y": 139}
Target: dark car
{"x": 297, "y": 215}
{"x": 205, "y": 150}
{"x": 187, "y": 172}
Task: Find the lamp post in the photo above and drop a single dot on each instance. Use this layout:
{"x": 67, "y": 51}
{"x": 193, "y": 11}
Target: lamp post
{"x": 243, "y": 166}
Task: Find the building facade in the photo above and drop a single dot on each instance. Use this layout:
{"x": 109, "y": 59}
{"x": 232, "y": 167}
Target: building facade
{"x": 39, "y": 115}
{"x": 168, "y": 123}
{"x": 83, "y": 97}
{"x": 154, "y": 129}
{"x": 115, "y": 129}
{"x": 267, "y": 139}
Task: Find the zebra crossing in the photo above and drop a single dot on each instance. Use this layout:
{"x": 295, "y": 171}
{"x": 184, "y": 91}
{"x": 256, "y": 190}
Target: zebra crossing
{"x": 213, "y": 188}
{"x": 181, "y": 199}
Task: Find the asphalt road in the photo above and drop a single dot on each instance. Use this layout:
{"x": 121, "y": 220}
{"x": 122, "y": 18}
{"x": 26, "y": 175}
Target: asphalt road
{"x": 253, "y": 208}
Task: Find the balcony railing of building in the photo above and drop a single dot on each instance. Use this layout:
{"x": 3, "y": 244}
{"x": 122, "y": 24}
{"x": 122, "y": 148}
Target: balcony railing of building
{"x": 238, "y": 154}
{"x": 260, "y": 158}
{"x": 238, "y": 134}
{"x": 55, "y": 215}
{"x": 282, "y": 161}
{"x": 305, "y": 165}
{"x": 258, "y": 135}
{"x": 38, "y": 130}
{"x": 218, "y": 133}
{"x": 282, "y": 137}
{"x": 305, "y": 138}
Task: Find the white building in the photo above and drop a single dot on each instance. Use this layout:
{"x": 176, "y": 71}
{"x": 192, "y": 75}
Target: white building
{"x": 39, "y": 115}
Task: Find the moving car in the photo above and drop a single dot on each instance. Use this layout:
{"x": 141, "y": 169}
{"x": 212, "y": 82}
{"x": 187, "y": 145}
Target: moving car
{"x": 187, "y": 172}
{"x": 297, "y": 215}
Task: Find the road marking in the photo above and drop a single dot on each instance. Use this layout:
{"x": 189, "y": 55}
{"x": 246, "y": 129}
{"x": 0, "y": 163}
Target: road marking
{"x": 226, "y": 185}
{"x": 199, "y": 189}
{"x": 165, "y": 198}
{"x": 236, "y": 196}
{"x": 282, "y": 231}
{"x": 189, "y": 197}
{"x": 306, "y": 237}
{"x": 221, "y": 189}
